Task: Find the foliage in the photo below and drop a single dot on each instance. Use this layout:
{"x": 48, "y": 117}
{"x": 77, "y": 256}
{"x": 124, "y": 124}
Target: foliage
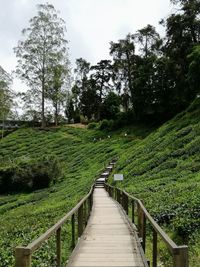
{"x": 42, "y": 56}
{"x": 194, "y": 69}
{"x": 106, "y": 125}
{"x": 29, "y": 174}
{"x": 93, "y": 125}
{"x": 82, "y": 154}
{"x": 110, "y": 106}
{"x": 163, "y": 170}
{"x": 154, "y": 77}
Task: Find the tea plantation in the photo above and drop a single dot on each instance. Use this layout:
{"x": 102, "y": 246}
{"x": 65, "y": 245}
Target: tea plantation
{"x": 82, "y": 155}
{"x": 164, "y": 171}
{"x": 162, "y": 167}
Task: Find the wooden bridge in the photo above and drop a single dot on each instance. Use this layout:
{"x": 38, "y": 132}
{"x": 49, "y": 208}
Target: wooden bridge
{"x": 106, "y": 235}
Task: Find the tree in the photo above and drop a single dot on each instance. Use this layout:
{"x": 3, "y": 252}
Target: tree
{"x": 81, "y": 80}
{"x": 69, "y": 107}
{"x": 57, "y": 92}
{"x": 102, "y": 74}
{"x": 124, "y": 56}
{"x": 6, "y": 96}
{"x": 110, "y": 106}
{"x": 182, "y": 34}
{"x": 148, "y": 39}
{"x": 194, "y": 71}
{"x": 89, "y": 100}
{"x": 43, "y": 48}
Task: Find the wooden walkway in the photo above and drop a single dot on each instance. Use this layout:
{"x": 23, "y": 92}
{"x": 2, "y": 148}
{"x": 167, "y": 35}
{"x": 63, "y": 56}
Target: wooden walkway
{"x": 108, "y": 239}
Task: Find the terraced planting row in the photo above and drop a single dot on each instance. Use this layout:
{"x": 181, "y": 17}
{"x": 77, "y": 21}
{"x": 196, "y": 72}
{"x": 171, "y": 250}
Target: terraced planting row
{"x": 164, "y": 171}
{"x": 24, "y": 217}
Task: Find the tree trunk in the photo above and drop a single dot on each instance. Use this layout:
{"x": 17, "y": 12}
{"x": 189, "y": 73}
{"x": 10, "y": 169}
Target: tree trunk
{"x": 56, "y": 115}
{"x": 3, "y": 126}
{"x": 43, "y": 117}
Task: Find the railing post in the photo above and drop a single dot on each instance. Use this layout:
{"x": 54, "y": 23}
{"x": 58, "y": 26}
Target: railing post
{"x": 181, "y": 257}
{"x": 22, "y": 257}
{"x": 73, "y": 230}
{"x": 115, "y": 193}
{"x": 119, "y": 196}
{"x": 80, "y": 220}
{"x": 133, "y": 210}
{"x": 88, "y": 206}
{"x": 143, "y": 231}
{"x": 85, "y": 213}
{"x": 125, "y": 202}
{"x": 155, "y": 244}
{"x": 91, "y": 201}
{"x": 139, "y": 219}
{"x": 58, "y": 247}
{"x": 111, "y": 192}
{"x": 142, "y": 226}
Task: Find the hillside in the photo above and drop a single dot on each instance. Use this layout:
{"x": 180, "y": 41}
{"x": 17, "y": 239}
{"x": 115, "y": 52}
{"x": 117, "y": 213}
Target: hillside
{"x": 164, "y": 171}
{"x": 82, "y": 154}
{"x": 162, "y": 168}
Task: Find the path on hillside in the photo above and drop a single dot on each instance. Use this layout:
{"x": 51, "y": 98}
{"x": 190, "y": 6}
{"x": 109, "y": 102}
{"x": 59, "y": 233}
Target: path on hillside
{"x": 108, "y": 239}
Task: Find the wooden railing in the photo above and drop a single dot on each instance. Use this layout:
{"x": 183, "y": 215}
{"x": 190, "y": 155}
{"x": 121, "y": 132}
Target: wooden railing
{"x": 23, "y": 255}
{"x": 179, "y": 253}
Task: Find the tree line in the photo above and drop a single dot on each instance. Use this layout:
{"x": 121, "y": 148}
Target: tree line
{"x": 147, "y": 77}
{"x": 153, "y": 77}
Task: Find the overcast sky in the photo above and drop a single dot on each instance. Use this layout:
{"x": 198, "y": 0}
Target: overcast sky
{"x": 91, "y": 24}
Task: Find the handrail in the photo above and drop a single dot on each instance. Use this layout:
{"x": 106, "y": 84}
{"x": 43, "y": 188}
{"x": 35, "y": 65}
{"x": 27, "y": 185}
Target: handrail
{"x": 23, "y": 254}
{"x": 179, "y": 253}
{"x": 36, "y": 243}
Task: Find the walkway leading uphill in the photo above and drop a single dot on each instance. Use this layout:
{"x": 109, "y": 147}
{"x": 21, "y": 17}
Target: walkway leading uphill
{"x": 108, "y": 239}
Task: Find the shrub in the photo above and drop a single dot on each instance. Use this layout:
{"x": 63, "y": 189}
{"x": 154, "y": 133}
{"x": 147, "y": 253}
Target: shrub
{"x": 29, "y": 174}
{"x": 83, "y": 119}
{"x": 123, "y": 119}
{"x": 93, "y": 125}
{"x": 106, "y": 125}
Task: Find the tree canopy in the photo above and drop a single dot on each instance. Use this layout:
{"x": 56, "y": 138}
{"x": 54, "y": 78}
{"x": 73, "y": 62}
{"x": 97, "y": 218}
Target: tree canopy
{"x": 149, "y": 77}
{"x": 43, "y": 55}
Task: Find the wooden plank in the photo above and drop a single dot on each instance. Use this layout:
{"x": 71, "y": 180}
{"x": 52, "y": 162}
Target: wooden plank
{"x": 107, "y": 239}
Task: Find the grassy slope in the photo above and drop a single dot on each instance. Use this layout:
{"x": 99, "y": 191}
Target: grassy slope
{"x": 164, "y": 171}
{"x": 23, "y": 217}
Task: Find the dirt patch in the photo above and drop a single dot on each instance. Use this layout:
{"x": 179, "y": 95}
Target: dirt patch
{"x": 77, "y": 125}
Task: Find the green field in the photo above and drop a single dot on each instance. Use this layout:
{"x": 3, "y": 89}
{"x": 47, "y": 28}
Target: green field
{"x": 164, "y": 171}
{"x": 162, "y": 167}
{"x": 82, "y": 154}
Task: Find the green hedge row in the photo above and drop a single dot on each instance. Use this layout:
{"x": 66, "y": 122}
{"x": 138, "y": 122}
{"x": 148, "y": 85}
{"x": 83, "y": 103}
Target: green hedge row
{"x": 29, "y": 174}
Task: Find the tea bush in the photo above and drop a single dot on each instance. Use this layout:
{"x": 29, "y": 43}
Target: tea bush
{"x": 29, "y": 174}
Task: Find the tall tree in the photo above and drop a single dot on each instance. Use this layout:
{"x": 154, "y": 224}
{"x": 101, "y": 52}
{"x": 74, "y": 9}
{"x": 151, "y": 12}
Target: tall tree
{"x": 58, "y": 90}
{"x": 81, "y": 79}
{"x": 143, "y": 93}
{"x": 148, "y": 39}
{"x": 89, "y": 100}
{"x": 123, "y": 53}
{"x": 110, "y": 106}
{"x": 194, "y": 71}
{"x": 43, "y": 48}
{"x": 6, "y": 96}
{"x": 102, "y": 73}
{"x": 182, "y": 29}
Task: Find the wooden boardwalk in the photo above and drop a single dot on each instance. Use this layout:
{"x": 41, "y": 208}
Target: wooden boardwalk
{"x": 108, "y": 239}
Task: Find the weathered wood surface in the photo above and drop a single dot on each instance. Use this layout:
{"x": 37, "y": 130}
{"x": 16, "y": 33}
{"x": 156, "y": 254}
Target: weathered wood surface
{"x": 108, "y": 239}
